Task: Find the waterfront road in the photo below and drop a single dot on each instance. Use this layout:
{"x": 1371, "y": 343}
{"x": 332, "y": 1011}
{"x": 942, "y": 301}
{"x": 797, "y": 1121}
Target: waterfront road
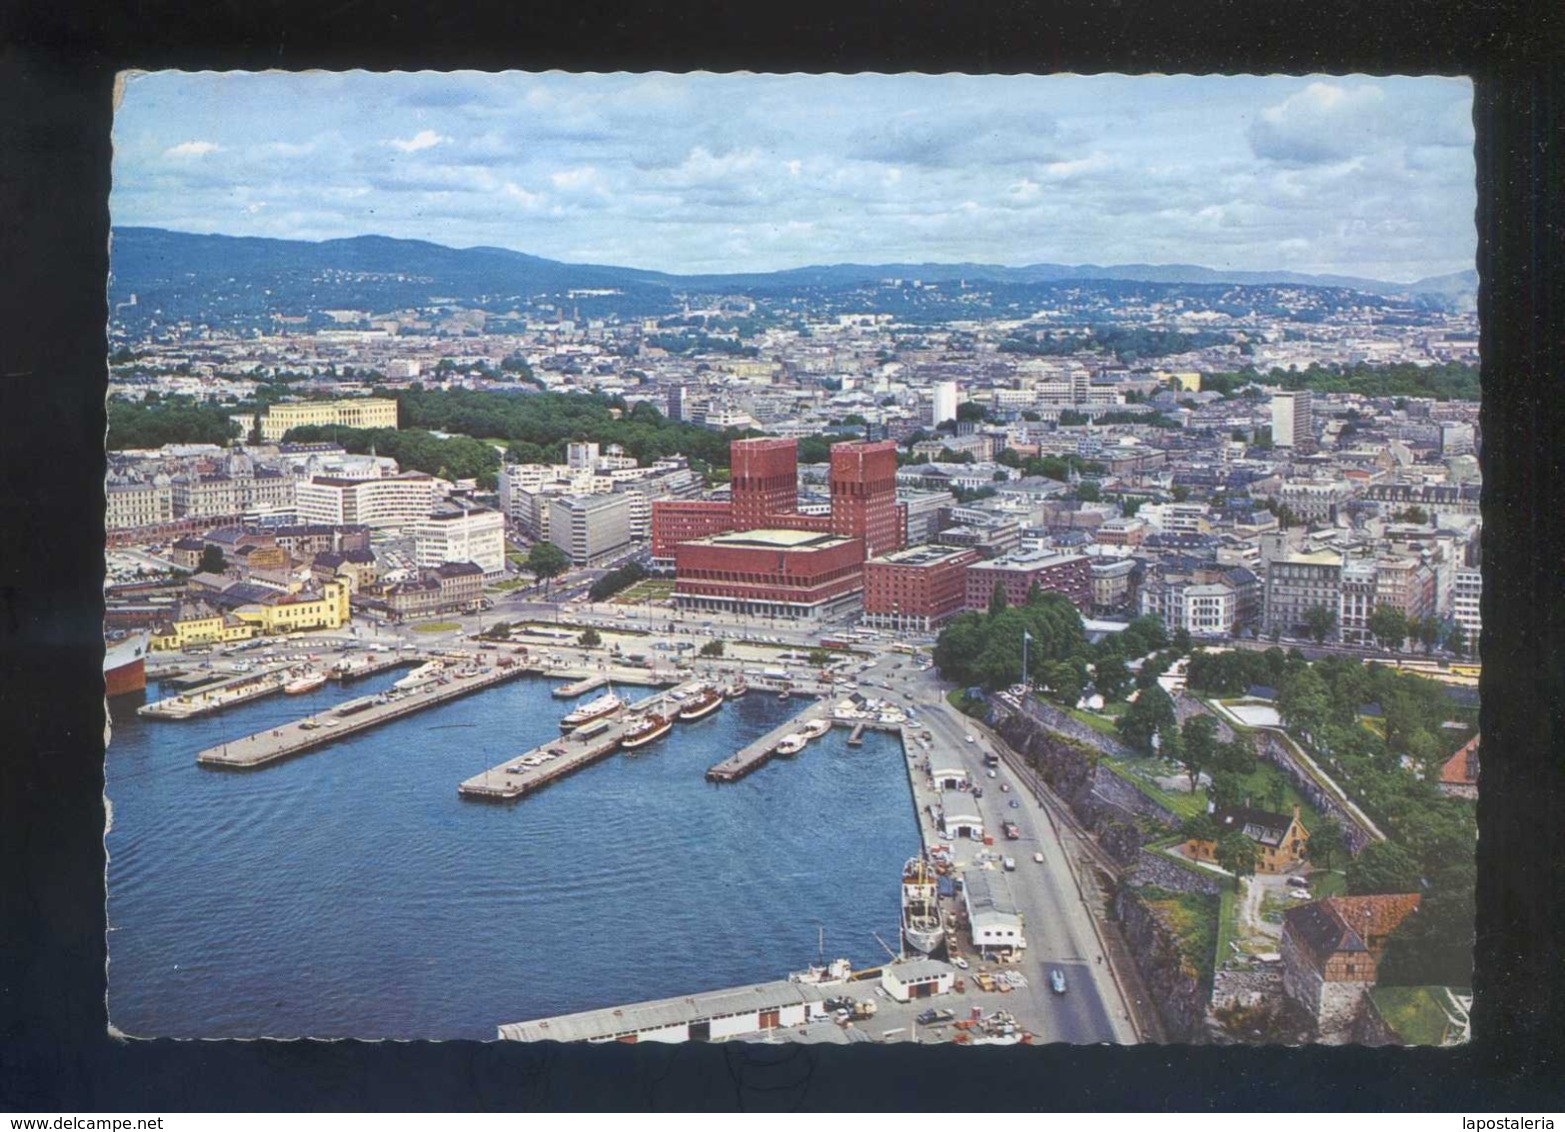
{"x": 1058, "y": 925}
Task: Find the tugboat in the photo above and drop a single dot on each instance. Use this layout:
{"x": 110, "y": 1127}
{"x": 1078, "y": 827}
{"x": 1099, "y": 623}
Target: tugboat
{"x": 739, "y": 689}
{"x": 651, "y": 728}
{"x": 706, "y": 701}
{"x": 920, "y": 908}
{"x": 600, "y": 708}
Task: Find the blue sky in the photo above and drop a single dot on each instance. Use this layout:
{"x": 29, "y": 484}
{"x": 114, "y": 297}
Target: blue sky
{"x": 1357, "y": 175}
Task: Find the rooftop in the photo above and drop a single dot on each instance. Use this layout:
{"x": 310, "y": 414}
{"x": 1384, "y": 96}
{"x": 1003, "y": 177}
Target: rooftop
{"x": 777, "y": 539}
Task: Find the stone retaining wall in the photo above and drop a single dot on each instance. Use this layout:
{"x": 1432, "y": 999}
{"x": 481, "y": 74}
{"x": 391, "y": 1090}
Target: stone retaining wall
{"x": 1180, "y": 993}
{"x": 1154, "y": 867}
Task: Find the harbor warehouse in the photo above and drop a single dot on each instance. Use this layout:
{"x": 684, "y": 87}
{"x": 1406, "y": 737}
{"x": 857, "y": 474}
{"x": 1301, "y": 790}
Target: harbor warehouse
{"x": 712, "y": 1016}
{"x": 991, "y": 912}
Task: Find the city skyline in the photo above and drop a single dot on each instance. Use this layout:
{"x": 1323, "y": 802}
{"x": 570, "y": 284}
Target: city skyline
{"x": 1356, "y": 175}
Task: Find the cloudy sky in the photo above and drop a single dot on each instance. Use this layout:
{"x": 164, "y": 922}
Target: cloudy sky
{"x": 1358, "y": 175}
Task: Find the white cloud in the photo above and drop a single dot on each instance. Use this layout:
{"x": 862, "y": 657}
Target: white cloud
{"x": 192, "y": 149}
{"x": 424, "y": 139}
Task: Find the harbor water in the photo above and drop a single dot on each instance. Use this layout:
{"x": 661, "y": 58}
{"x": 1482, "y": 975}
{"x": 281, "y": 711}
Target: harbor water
{"x": 349, "y": 892}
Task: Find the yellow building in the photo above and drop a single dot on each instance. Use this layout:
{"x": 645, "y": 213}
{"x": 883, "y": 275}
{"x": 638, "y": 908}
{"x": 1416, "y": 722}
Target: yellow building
{"x": 212, "y": 629}
{"x": 290, "y": 613}
{"x": 358, "y": 412}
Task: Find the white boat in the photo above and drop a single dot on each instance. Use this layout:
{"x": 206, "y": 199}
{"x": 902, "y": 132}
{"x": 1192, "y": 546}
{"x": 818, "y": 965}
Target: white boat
{"x": 921, "y": 926}
{"x": 423, "y": 674}
{"x": 306, "y": 683}
{"x": 600, "y": 708}
{"x": 650, "y": 728}
{"x": 791, "y": 745}
{"x": 815, "y": 729}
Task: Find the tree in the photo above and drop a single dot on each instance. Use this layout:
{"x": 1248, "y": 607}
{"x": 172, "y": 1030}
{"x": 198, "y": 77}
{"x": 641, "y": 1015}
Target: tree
{"x": 1226, "y": 791}
{"x": 1034, "y": 593}
{"x": 1320, "y": 620}
{"x": 1456, "y": 639}
{"x": 1152, "y": 711}
{"x": 1112, "y": 678}
{"x": 820, "y": 658}
{"x": 714, "y": 648}
{"x": 1389, "y": 624}
{"x": 547, "y": 561}
{"x": 1304, "y": 702}
{"x": 590, "y": 638}
{"x": 1199, "y": 735}
{"x": 1427, "y": 631}
{"x": 997, "y": 600}
{"x": 1089, "y": 492}
{"x": 1199, "y": 828}
{"x": 1236, "y": 757}
{"x": 1383, "y": 866}
{"x": 1238, "y": 854}
{"x": 1327, "y": 841}
{"x": 212, "y": 561}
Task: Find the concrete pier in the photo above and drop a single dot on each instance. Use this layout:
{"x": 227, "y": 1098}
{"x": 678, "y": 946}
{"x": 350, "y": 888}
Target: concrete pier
{"x": 580, "y": 687}
{"x": 217, "y": 696}
{"x": 350, "y": 718}
{"x": 357, "y": 668}
{"x": 753, "y": 756}
{"x": 532, "y": 770}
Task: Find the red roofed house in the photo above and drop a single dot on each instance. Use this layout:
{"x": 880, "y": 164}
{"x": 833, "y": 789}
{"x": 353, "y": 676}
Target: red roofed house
{"x": 1331, "y": 950}
{"x": 1459, "y": 775}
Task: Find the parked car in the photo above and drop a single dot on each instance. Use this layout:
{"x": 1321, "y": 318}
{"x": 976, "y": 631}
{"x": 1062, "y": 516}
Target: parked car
{"x": 1057, "y": 981}
{"x": 959, "y": 961}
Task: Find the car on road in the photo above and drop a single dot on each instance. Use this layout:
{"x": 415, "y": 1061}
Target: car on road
{"x": 970, "y": 739}
{"x": 990, "y": 772}
{"x": 1005, "y": 787}
{"x": 1015, "y": 805}
{"x": 1038, "y": 857}
{"x": 1009, "y": 863}
{"x": 1057, "y": 981}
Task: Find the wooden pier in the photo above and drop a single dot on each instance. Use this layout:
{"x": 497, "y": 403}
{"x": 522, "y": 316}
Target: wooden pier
{"x": 532, "y": 770}
{"x": 350, "y": 718}
{"x": 857, "y": 738}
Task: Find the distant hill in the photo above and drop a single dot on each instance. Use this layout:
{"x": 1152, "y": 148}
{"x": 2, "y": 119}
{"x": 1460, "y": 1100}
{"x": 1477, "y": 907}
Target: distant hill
{"x": 250, "y": 277}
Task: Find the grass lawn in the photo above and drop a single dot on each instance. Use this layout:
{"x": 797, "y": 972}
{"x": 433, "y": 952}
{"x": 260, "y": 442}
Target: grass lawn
{"x": 1376, "y": 727}
{"x": 508, "y": 584}
{"x": 1324, "y": 884}
{"x": 1259, "y": 785}
{"x": 516, "y": 558}
{"x": 645, "y": 591}
{"x": 436, "y": 627}
{"x": 1417, "y": 1014}
{"x": 1099, "y": 723}
{"x": 1227, "y": 920}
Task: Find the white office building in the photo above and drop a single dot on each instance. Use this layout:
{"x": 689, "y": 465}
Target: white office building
{"x": 457, "y": 534}
{"x": 1292, "y": 423}
{"x": 943, "y": 407}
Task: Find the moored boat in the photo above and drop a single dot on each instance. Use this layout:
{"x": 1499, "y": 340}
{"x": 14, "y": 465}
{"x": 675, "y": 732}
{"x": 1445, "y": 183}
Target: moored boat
{"x": 600, "y": 708}
{"x": 738, "y": 690}
{"x": 815, "y": 728}
{"x": 649, "y": 729}
{"x": 791, "y": 745}
{"x": 423, "y": 674}
{"x": 702, "y": 705}
{"x": 309, "y": 682}
{"x": 921, "y": 926}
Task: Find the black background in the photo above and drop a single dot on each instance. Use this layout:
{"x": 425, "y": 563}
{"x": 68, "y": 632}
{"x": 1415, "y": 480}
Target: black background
{"x": 57, "y": 63}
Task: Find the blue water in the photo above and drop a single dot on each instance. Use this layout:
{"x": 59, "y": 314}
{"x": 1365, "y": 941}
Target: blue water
{"x": 350, "y": 893}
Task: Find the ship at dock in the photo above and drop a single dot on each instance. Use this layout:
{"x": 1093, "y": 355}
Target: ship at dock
{"x": 420, "y": 676}
{"x": 703, "y": 704}
{"x": 600, "y": 708}
{"x": 651, "y": 727}
{"x": 125, "y": 665}
{"x": 921, "y": 926}
{"x": 791, "y": 744}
